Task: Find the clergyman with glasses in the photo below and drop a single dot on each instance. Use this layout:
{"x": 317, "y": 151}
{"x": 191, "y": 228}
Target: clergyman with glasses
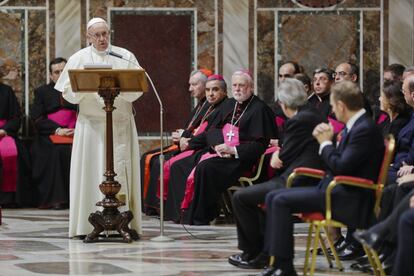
{"x": 88, "y": 152}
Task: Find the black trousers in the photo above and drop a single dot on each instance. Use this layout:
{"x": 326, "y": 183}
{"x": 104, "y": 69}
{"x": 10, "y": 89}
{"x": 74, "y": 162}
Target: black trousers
{"x": 250, "y": 217}
{"x": 404, "y": 265}
{"x": 280, "y": 205}
{"x": 388, "y": 228}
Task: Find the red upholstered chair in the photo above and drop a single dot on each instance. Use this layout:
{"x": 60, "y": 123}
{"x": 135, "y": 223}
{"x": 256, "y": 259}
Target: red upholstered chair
{"x": 320, "y": 221}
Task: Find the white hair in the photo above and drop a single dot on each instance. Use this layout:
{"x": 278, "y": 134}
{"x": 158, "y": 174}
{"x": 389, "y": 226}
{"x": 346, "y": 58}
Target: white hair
{"x": 291, "y": 92}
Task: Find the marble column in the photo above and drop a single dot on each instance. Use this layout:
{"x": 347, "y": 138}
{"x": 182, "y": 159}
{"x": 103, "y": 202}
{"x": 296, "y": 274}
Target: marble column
{"x": 235, "y": 36}
{"x": 67, "y": 27}
{"x": 401, "y": 36}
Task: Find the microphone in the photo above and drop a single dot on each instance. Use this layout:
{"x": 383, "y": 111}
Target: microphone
{"x": 114, "y": 54}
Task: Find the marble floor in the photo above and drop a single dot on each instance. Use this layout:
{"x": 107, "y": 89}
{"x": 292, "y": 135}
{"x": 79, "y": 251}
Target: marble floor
{"x": 34, "y": 242}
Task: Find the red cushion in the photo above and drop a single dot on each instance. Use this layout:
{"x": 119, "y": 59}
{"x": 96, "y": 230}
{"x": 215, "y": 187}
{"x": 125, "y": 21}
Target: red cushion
{"x": 57, "y": 139}
{"x": 343, "y": 178}
{"x": 303, "y": 170}
{"x": 312, "y": 216}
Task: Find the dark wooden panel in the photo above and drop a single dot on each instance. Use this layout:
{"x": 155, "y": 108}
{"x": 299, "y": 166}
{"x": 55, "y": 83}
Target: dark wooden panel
{"x": 162, "y": 42}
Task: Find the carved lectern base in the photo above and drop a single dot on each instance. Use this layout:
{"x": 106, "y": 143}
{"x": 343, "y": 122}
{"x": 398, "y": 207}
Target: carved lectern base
{"x": 111, "y": 219}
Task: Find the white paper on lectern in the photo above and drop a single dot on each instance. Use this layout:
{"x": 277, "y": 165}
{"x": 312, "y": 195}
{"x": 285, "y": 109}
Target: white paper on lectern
{"x": 97, "y": 66}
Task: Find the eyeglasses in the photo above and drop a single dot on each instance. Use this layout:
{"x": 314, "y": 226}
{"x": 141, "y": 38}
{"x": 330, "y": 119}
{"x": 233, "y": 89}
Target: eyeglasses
{"x": 285, "y": 76}
{"x": 321, "y": 79}
{"x": 341, "y": 74}
{"x": 97, "y": 36}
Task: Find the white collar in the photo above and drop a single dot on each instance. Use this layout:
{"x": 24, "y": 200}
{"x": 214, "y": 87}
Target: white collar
{"x": 104, "y": 52}
{"x": 354, "y": 118}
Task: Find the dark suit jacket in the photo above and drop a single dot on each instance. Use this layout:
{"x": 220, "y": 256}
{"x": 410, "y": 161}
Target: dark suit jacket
{"x": 395, "y": 126}
{"x": 405, "y": 145}
{"x": 359, "y": 154}
{"x": 300, "y": 148}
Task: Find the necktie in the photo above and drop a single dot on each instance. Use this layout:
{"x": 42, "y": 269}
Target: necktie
{"x": 344, "y": 133}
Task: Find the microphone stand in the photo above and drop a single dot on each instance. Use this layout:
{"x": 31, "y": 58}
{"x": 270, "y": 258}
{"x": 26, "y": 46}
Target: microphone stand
{"x": 161, "y": 237}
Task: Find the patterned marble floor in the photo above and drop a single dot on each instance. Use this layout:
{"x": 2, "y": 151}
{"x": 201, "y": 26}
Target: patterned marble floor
{"x": 34, "y": 242}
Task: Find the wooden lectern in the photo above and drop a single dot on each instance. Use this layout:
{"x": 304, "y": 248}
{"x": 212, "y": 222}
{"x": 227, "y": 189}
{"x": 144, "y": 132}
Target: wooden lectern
{"x": 109, "y": 83}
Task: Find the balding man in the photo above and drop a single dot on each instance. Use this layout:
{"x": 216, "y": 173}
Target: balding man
{"x": 288, "y": 70}
{"x": 88, "y": 153}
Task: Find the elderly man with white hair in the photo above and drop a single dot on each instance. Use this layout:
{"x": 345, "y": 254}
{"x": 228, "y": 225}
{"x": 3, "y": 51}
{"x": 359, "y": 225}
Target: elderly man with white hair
{"x": 298, "y": 149}
{"x": 88, "y": 152}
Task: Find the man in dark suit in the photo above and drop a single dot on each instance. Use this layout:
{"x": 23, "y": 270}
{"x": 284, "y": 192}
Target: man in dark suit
{"x": 358, "y": 154}
{"x": 404, "y": 264}
{"x": 299, "y": 148}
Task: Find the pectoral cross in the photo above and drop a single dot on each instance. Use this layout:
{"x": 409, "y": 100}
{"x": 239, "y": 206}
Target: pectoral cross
{"x": 230, "y": 135}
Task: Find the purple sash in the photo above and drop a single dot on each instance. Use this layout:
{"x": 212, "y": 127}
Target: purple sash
{"x": 64, "y": 117}
{"x": 8, "y": 155}
{"x": 171, "y": 161}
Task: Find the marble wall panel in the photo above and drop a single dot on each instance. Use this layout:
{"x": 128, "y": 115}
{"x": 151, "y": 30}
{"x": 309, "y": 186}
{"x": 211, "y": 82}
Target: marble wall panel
{"x": 26, "y": 3}
{"x": 68, "y": 33}
{"x": 372, "y": 55}
{"x": 12, "y": 50}
{"x": 319, "y": 39}
{"x": 37, "y": 50}
{"x": 317, "y": 3}
{"x": 275, "y": 4}
{"x": 401, "y": 35}
{"x": 235, "y": 36}
{"x": 266, "y": 55}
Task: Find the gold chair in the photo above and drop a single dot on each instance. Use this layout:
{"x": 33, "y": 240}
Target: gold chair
{"x": 243, "y": 181}
{"x": 320, "y": 221}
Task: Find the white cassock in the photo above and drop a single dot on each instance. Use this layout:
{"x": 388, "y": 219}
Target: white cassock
{"x": 88, "y": 152}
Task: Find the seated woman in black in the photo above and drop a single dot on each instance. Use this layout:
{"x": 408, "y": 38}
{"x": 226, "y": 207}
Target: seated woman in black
{"x": 392, "y": 103}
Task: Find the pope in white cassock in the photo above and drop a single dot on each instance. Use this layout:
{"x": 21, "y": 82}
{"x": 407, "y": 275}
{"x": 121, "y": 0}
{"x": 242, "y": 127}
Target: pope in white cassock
{"x": 88, "y": 152}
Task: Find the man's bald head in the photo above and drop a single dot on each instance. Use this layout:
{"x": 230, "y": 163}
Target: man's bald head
{"x": 288, "y": 70}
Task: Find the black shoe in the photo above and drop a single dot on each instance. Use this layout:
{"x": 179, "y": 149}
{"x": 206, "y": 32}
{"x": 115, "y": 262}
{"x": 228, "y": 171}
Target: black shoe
{"x": 387, "y": 262}
{"x": 351, "y": 252}
{"x": 370, "y": 239}
{"x": 236, "y": 259}
{"x": 339, "y": 243}
{"x": 360, "y": 262}
{"x": 261, "y": 261}
{"x": 274, "y": 271}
